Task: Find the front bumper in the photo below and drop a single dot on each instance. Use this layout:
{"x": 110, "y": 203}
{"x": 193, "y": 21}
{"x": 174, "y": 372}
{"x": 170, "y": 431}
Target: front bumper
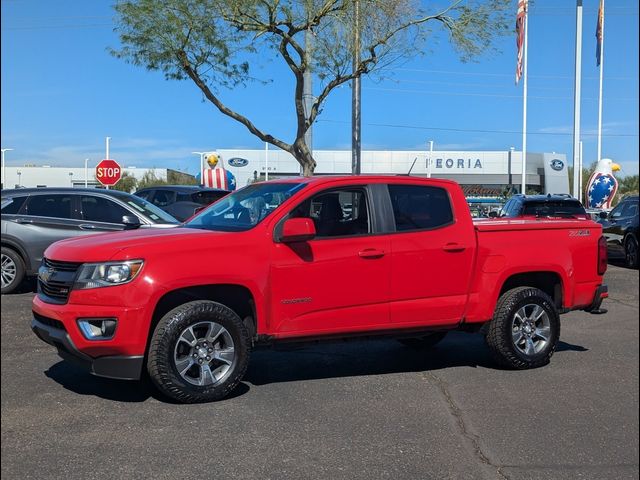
{"x": 53, "y": 332}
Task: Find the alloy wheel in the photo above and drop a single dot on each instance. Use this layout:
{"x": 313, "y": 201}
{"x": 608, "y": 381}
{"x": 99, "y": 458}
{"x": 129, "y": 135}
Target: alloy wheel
{"x": 204, "y": 354}
{"x": 9, "y": 270}
{"x": 531, "y": 329}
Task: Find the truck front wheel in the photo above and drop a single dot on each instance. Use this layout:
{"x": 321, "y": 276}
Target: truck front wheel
{"x": 199, "y": 352}
{"x": 525, "y": 329}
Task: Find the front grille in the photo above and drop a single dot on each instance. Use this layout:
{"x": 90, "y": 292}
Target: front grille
{"x": 61, "y": 266}
{"x": 55, "y": 280}
{"x": 58, "y": 290}
{"x": 49, "y": 321}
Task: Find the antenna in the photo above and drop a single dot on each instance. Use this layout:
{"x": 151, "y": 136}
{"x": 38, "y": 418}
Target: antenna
{"x": 412, "y": 165}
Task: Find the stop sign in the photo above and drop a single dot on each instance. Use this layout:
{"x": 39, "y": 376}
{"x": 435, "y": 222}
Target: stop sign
{"x": 108, "y": 172}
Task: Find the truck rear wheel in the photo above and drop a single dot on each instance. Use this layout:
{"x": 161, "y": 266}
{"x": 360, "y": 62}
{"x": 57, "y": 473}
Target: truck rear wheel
{"x": 525, "y": 329}
{"x": 199, "y": 352}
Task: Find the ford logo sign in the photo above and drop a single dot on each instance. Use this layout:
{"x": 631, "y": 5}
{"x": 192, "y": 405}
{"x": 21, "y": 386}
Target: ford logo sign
{"x": 557, "y": 164}
{"x": 238, "y": 162}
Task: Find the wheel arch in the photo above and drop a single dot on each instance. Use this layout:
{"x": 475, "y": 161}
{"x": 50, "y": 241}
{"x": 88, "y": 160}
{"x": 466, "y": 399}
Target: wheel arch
{"x": 9, "y": 242}
{"x": 549, "y": 282}
{"x": 237, "y": 297}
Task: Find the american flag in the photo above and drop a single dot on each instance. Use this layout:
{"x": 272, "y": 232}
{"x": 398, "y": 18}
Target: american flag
{"x": 599, "y": 26}
{"x": 520, "y": 26}
{"x": 601, "y": 188}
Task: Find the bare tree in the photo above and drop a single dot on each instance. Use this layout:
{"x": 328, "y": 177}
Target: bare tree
{"x": 214, "y": 43}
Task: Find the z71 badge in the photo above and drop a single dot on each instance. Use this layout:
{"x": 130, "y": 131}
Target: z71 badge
{"x": 579, "y": 233}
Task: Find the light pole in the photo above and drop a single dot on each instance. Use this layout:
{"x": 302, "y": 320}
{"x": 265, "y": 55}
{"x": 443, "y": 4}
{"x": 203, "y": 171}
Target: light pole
{"x": 202, "y": 154}
{"x": 4, "y": 174}
{"x": 86, "y": 172}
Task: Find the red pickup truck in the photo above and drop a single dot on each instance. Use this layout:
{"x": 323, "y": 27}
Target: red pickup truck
{"x": 308, "y": 259}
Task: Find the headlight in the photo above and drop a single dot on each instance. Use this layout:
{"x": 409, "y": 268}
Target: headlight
{"x": 94, "y": 275}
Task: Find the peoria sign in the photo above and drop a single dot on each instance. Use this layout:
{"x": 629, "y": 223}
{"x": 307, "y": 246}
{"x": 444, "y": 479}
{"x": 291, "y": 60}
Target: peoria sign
{"x": 458, "y": 163}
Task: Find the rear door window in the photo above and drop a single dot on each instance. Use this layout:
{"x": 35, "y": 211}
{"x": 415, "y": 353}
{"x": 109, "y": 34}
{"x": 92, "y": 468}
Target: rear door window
{"x": 53, "y": 206}
{"x": 145, "y": 194}
{"x": 164, "y": 198}
{"x": 98, "y": 209}
{"x": 417, "y": 207}
{"x": 12, "y": 205}
{"x": 550, "y": 209}
{"x": 207, "y": 198}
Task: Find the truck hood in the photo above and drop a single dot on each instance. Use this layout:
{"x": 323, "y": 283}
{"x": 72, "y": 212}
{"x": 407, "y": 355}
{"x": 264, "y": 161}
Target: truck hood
{"x": 139, "y": 243}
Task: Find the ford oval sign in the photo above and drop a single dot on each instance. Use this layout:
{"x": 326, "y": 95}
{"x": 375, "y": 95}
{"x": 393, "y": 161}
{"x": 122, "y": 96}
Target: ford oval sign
{"x": 557, "y": 164}
{"x": 238, "y": 162}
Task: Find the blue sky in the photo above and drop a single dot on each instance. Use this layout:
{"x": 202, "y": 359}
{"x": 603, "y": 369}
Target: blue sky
{"x": 62, "y": 93}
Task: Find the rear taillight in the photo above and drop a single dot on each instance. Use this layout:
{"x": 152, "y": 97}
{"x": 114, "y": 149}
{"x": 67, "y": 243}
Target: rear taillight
{"x": 603, "y": 256}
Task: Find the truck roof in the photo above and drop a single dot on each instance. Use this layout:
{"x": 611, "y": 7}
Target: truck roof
{"x": 322, "y": 179}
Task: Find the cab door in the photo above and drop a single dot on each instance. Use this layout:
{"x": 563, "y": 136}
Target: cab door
{"x": 339, "y": 281}
{"x": 432, "y": 256}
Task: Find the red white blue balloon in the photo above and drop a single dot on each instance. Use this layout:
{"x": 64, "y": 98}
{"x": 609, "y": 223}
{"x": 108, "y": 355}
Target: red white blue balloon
{"x": 602, "y": 185}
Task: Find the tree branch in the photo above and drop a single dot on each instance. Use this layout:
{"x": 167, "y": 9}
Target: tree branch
{"x": 186, "y": 65}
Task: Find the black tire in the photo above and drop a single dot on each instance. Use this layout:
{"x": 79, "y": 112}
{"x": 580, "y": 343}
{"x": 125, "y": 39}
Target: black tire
{"x": 503, "y": 328}
{"x": 164, "y": 348}
{"x": 425, "y": 342}
{"x": 631, "y": 252}
{"x": 13, "y": 270}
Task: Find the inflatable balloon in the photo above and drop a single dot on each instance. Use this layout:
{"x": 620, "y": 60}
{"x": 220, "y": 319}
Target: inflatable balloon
{"x": 602, "y": 185}
{"x": 216, "y": 176}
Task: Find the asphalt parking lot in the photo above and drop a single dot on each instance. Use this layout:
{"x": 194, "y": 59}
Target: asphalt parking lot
{"x": 359, "y": 410}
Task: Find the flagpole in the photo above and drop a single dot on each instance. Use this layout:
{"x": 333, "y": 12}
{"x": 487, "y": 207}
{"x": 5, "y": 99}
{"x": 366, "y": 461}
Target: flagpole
{"x": 579, "y": 197}
{"x": 600, "y": 94}
{"x": 576, "y": 98}
{"x": 266, "y": 162}
{"x": 524, "y": 105}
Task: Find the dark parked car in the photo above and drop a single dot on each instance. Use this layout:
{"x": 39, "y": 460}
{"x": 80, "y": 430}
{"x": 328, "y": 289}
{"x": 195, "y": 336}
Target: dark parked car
{"x": 181, "y": 201}
{"x": 544, "y": 206}
{"x": 620, "y": 228}
{"x": 34, "y": 218}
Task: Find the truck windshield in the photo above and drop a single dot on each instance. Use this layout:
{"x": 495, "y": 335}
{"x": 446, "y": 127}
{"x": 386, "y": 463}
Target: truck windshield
{"x": 245, "y": 208}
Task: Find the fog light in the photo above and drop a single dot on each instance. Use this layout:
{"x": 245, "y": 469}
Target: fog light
{"x": 97, "y": 328}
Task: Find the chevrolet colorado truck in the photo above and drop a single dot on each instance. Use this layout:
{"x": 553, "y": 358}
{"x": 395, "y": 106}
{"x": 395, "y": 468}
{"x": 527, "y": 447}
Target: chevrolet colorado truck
{"x": 306, "y": 259}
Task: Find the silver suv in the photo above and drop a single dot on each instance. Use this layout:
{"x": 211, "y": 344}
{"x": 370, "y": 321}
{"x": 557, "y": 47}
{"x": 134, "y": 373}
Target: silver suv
{"x": 34, "y": 218}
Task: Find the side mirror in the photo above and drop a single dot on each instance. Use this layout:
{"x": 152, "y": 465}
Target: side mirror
{"x": 130, "y": 222}
{"x": 603, "y": 215}
{"x": 298, "y": 230}
{"x": 493, "y": 214}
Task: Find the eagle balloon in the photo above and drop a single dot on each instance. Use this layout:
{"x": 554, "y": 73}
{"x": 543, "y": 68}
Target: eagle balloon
{"x": 602, "y": 185}
{"x": 216, "y": 175}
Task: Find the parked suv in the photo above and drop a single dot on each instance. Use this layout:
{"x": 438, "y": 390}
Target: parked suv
{"x": 545, "y": 206}
{"x": 620, "y": 228}
{"x": 34, "y": 218}
{"x": 181, "y": 201}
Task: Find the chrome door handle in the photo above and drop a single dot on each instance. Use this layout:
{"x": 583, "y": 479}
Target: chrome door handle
{"x": 87, "y": 226}
{"x": 24, "y": 220}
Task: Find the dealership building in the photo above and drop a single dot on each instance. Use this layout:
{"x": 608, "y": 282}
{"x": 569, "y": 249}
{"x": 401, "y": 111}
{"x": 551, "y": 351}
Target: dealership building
{"x": 31, "y": 176}
{"x": 481, "y": 173}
